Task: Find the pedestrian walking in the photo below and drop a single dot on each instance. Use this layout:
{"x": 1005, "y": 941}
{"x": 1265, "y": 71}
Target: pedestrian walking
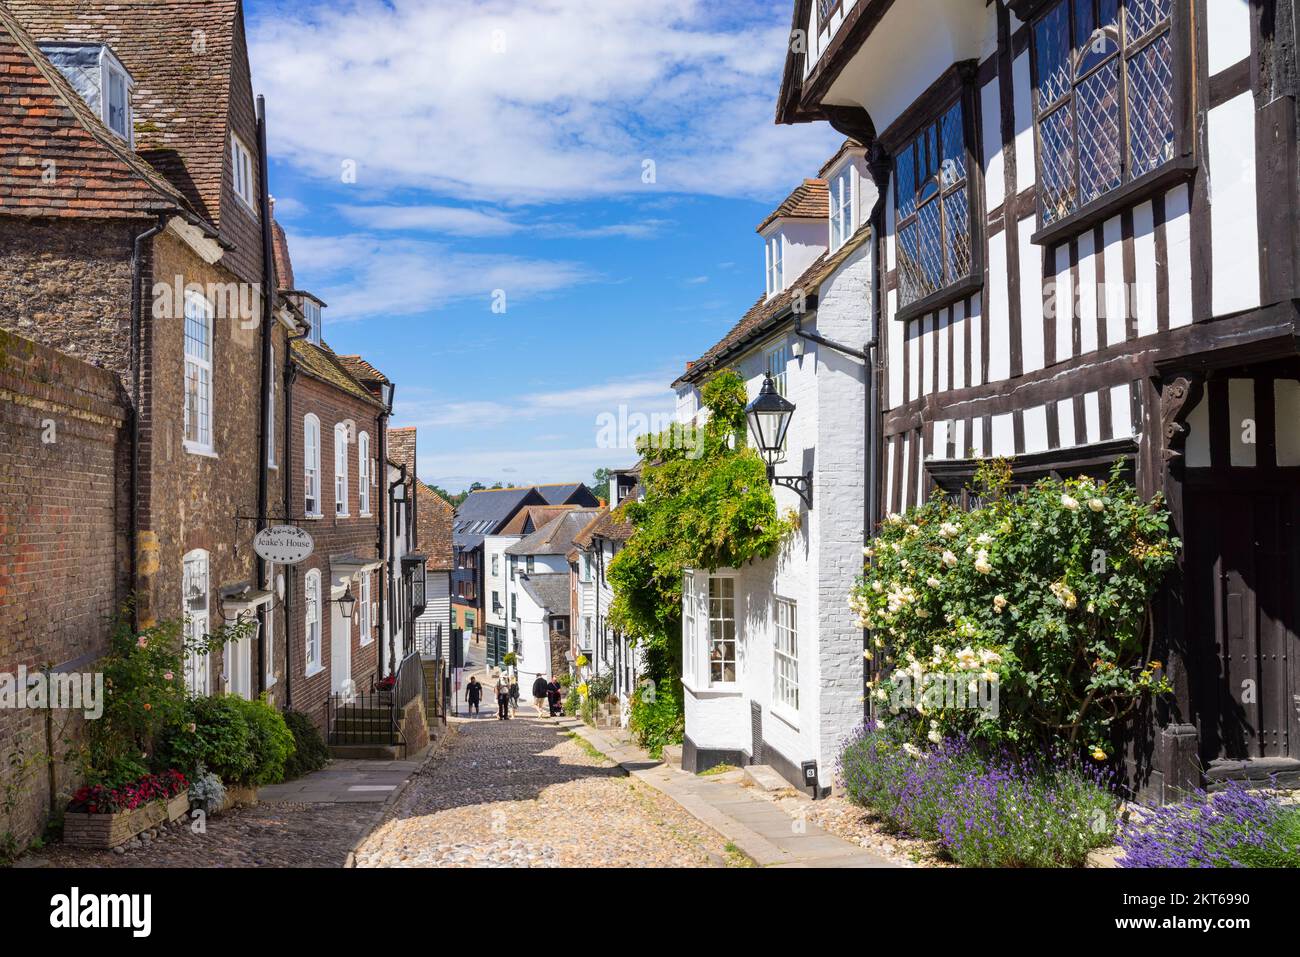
{"x": 514, "y": 694}
{"x": 503, "y": 697}
{"x": 473, "y": 695}
{"x": 553, "y": 696}
{"x": 539, "y": 695}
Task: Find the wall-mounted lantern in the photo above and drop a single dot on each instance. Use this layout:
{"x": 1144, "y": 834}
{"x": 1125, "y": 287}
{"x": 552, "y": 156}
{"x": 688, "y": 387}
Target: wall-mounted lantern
{"x": 769, "y": 419}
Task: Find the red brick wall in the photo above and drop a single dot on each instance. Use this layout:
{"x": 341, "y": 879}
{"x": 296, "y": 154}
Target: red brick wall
{"x": 333, "y": 536}
{"x": 62, "y": 551}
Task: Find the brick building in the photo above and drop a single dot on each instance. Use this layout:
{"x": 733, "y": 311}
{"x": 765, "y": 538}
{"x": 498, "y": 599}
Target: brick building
{"x": 336, "y": 434}
{"x": 131, "y": 236}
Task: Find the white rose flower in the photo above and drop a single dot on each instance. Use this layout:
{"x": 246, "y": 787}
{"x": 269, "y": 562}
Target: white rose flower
{"x": 869, "y": 552}
{"x": 985, "y": 539}
{"x": 982, "y": 562}
{"x": 948, "y": 530}
{"x": 967, "y": 658}
{"x": 1071, "y": 503}
{"x": 933, "y": 582}
{"x": 877, "y": 587}
{"x": 894, "y": 518}
{"x": 950, "y": 559}
{"x": 935, "y": 736}
{"x": 1096, "y": 504}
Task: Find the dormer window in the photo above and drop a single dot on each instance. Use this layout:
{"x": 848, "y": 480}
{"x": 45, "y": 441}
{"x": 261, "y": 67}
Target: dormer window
{"x": 96, "y": 73}
{"x": 775, "y": 265}
{"x": 241, "y": 159}
{"x": 311, "y": 311}
{"x": 841, "y": 197}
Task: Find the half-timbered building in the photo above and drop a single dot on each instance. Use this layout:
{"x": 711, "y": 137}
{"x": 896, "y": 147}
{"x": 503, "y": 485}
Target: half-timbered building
{"x": 1087, "y": 240}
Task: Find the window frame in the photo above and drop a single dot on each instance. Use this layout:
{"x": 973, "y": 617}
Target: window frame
{"x": 826, "y": 9}
{"x": 243, "y": 173}
{"x": 843, "y": 209}
{"x": 202, "y": 365}
{"x": 110, "y": 68}
{"x": 780, "y": 703}
{"x": 311, "y": 602}
{"x": 1181, "y": 166}
{"x": 198, "y": 623}
{"x": 311, "y": 467}
{"x": 341, "y": 477}
{"x": 690, "y": 635}
{"x": 735, "y": 635}
{"x": 363, "y": 474}
{"x": 364, "y": 608}
{"x": 957, "y": 86}
{"x": 774, "y": 259}
{"x": 268, "y": 644}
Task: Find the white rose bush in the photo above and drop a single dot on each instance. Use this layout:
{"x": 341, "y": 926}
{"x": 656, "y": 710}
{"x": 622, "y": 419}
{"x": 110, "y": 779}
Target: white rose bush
{"x": 1043, "y": 592}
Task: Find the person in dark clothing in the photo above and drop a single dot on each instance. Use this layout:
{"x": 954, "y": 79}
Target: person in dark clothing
{"x": 514, "y": 694}
{"x": 473, "y": 695}
{"x": 553, "y": 695}
{"x": 539, "y": 695}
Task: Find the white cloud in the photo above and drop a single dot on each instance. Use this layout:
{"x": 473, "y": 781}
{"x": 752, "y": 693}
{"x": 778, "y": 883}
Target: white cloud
{"x": 453, "y": 220}
{"x": 402, "y": 277}
{"x": 519, "y": 101}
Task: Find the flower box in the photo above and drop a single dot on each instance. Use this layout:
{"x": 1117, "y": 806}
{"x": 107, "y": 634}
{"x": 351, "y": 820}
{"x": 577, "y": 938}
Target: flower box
{"x": 109, "y": 830}
{"x": 179, "y": 806}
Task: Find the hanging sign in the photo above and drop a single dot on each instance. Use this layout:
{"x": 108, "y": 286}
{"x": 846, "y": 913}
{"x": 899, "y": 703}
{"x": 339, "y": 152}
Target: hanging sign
{"x": 283, "y": 544}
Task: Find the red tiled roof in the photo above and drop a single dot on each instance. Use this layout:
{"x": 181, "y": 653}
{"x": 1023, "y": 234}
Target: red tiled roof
{"x": 810, "y": 200}
{"x": 538, "y": 515}
{"x": 283, "y": 262}
{"x": 401, "y": 448}
{"x": 363, "y": 370}
{"x": 43, "y": 118}
{"x": 433, "y": 519}
{"x": 181, "y": 100}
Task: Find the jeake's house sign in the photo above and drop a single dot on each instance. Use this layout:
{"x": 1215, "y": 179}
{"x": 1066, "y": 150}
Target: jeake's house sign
{"x": 283, "y": 544}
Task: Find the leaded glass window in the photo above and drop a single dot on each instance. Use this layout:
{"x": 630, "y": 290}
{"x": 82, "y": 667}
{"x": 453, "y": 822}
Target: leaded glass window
{"x": 933, "y": 208}
{"x": 1104, "y": 98}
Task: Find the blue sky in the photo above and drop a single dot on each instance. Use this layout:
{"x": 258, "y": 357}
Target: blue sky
{"x": 429, "y": 156}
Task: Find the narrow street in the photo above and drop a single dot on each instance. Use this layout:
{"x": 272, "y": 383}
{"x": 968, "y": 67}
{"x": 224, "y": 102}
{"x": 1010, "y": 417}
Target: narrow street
{"x": 523, "y": 793}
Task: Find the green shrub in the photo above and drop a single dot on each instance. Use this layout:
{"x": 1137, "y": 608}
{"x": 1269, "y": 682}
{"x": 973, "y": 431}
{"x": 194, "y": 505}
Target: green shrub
{"x": 656, "y": 719}
{"x": 600, "y": 687}
{"x": 309, "y": 750}
{"x": 270, "y": 742}
{"x": 242, "y": 742}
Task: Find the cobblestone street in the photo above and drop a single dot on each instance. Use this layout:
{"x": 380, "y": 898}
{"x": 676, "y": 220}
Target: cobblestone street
{"x": 522, "y": 793}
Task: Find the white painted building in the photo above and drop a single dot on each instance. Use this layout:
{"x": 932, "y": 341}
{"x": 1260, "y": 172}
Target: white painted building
{"x": 771, "y": 655}
{"x": 608, "y": 651}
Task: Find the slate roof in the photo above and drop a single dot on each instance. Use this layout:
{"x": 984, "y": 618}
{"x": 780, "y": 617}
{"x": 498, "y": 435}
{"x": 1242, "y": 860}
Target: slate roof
{"x": 549, "y": 589}
{"x": 575, "y": 493}
{"x": 433, "y": 518}
{"x": 484, "y": 511}
{"x": 44, "y": 118}
{"x": 766, "y": 314}
{"x": 321, "y": 363}
{"x": 556, "y": 536}
{"x": 181, "y": 100}
{"x": 810, "y": 200}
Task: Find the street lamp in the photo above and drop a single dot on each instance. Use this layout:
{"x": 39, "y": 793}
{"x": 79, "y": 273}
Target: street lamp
{"x": 348, "y": 603}
{"x": 769, "y": 419}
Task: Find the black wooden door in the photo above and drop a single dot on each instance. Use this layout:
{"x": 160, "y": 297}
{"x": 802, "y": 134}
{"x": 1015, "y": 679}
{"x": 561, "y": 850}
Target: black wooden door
{"x": 1243, "y": 589}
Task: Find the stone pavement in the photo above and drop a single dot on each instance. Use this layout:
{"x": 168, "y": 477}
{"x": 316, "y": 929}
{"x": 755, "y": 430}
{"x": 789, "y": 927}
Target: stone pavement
{"x": 343, "y": 782}
{"x": 522, "y": 793}
{"x": 764, "y": 832}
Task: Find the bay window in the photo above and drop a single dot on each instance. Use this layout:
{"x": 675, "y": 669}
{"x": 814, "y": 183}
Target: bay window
{"x": 1103, "y": 98}
{"x": 933, "y": 204}
{"x": 722, "y": 630}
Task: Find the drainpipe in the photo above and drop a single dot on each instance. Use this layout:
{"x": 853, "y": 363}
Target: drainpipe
{"x": 392, "y": 625}
{"x": 880, "y": 166}
{"x": 380, "y": 546}
{"x": 137, "y": 306}
{"x": 268, "y": 380}
{"x": 290, "y": 376}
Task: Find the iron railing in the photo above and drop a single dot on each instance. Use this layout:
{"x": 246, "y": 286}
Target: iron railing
{"x": 362, "y": 719}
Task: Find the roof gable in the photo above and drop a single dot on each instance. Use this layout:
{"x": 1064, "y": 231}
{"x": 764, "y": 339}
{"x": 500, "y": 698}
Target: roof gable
{"x": 182, "y": 97}
{"x": 809, "y": 200}
{"x": 93, "y": 172}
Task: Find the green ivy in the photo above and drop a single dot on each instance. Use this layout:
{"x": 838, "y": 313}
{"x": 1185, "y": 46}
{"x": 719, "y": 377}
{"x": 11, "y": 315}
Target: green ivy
{"x": 1044, "y": 593}
{"x": 707, "y": 505}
